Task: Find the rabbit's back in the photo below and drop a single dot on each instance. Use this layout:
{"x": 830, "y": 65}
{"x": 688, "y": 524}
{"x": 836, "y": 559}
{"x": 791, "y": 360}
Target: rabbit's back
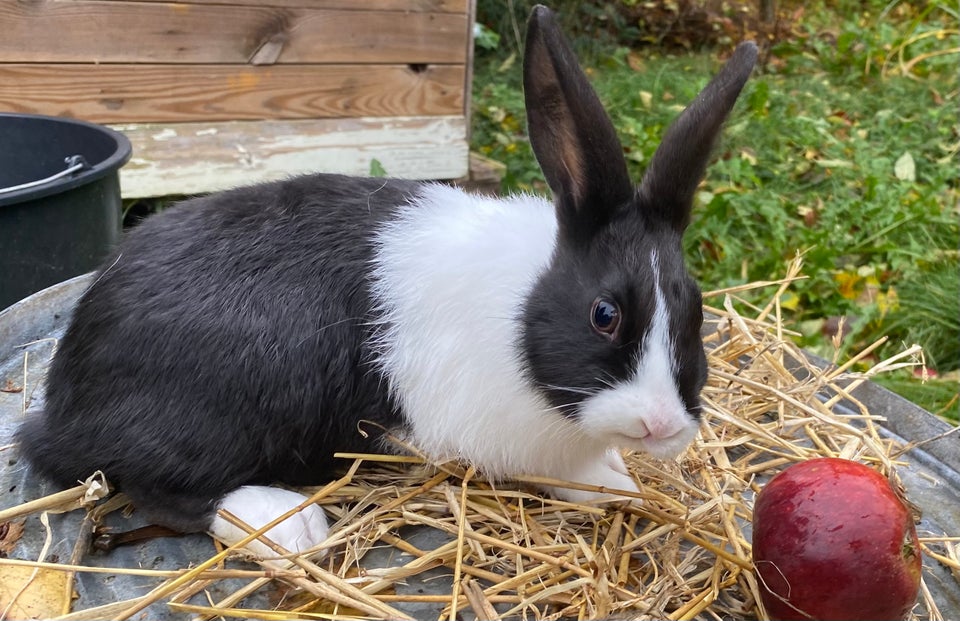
{"x": 225, "y": 344}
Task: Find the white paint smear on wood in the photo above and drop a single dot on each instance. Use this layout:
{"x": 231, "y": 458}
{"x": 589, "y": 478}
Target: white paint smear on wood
{"x": 193, "y": 158}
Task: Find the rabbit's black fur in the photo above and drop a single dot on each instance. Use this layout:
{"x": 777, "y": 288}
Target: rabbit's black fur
{"x": 216, "y": 346}
{"x": 553, "y": 309}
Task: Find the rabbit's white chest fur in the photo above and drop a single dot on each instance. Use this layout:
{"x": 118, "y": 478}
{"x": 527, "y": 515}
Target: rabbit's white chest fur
{"x": 452, "y": 273}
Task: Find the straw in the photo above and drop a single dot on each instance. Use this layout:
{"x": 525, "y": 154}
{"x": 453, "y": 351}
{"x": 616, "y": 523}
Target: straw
{"x": 680, "y": 551}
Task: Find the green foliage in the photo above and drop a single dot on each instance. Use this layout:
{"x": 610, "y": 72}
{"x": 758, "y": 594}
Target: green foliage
{"x": 843, "y": 148}
{"x": 377, "y": 169}
{"x": 881, "y": 38}
{"x": 937, "y": 396}
{"x": 484, "y": 38}
{"x": 594, "y": 25}
{"x": 927, "y": 311}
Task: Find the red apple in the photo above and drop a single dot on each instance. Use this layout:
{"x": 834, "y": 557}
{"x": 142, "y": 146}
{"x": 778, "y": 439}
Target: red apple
{"x": 832, "y": 540}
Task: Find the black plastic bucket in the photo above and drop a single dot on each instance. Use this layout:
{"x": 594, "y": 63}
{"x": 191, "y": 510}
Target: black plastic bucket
{"x": 60, "y": 210}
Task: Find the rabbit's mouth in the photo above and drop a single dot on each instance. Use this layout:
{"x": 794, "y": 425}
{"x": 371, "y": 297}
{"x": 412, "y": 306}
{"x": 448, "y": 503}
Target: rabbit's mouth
{"x": 661, "y": 447}
{"x": 625, "y": 440}
{"x": 631, "y": 442}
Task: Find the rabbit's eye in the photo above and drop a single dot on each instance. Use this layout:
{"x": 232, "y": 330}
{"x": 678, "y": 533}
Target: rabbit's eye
{"x": 605, "y": 317}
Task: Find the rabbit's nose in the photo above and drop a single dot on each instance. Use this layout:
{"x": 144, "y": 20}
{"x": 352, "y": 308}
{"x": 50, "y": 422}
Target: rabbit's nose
{"x": 666, "y": 419}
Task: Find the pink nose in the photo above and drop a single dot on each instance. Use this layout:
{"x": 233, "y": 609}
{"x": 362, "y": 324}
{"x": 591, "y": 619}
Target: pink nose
{"x": 666, "y": 422}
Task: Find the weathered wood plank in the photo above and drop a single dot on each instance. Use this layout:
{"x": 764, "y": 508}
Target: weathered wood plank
{"x": 423, "y": 6}
{"x": 111, "y": 31}
{"x": 193, "y": 158}
{"x": 181, "y": 93}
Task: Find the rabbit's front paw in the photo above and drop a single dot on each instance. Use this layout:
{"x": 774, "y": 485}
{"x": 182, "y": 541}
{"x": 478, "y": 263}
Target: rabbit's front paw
{"x": 258, "y": 506}
{"x": 608, "y": 472}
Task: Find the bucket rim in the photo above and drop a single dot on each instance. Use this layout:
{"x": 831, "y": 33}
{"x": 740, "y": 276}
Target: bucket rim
{"x": 111, "y": 165}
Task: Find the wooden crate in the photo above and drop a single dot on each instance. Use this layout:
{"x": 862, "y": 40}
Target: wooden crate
{"x": 217, "y": 93}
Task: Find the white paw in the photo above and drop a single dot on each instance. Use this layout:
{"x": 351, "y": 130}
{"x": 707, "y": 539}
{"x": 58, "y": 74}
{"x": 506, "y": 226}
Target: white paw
{"x": 257, "y": 506}
{"x": 609, "y": 472}
{"x": 614, "y": 460}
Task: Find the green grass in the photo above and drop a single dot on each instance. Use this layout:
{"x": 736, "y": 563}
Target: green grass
{"x": 937, "y": 396}
{"x": 834, "y": 151}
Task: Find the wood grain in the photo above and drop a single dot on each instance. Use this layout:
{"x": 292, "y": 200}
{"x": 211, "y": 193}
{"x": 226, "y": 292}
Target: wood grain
{"x": 423, "y": 6}
{"x": 190, "y": 158}
{"x": 111, "y": 31}
{"x": 181, "y": 93}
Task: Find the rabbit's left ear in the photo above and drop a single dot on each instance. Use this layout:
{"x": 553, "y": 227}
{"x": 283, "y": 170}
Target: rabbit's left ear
{"x": 680, "y": 161}
{"x": 572, "y": 136}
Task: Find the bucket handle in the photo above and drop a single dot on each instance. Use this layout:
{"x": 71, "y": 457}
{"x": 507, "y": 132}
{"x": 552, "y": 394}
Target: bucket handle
{"x": 75, "y": 163}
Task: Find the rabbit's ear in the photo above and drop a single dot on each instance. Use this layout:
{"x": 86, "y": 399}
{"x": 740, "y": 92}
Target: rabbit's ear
{"x": 571, "y": 134}
{"x": 681, "y": 159}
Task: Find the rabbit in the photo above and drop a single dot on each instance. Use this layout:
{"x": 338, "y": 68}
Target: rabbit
{"x": 239, "y": 340}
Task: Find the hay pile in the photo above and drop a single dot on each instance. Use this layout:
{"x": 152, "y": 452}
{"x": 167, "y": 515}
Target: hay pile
{"x": 683, "y": 552}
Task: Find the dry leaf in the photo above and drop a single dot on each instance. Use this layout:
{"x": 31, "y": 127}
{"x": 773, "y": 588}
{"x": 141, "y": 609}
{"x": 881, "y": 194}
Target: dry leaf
{"x": 905, "y": 168}
{"x": 9, "y": 386}
{"x": 41, "y": 599}
{"x": 10, "y": 533}
{"x": 646, "y": 98}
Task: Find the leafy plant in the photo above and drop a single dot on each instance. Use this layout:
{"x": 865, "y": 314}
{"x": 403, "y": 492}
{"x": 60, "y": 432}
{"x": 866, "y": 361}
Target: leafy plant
{"x": 377, "y": 169}
{"x": 844, "y": 149}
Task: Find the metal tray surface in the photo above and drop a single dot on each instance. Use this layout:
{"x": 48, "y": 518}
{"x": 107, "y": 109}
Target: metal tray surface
{"x": 28, "y": 333}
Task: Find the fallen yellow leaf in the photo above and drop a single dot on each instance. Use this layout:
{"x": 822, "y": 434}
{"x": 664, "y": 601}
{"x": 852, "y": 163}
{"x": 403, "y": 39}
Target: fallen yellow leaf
{"x": 847, "y": 283}
{"x": 42, "y": 598}
{"x": 790, "y": 301}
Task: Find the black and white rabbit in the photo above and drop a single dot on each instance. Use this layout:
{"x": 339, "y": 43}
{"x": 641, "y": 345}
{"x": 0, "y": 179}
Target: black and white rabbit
{"x": 241, "y": 339}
